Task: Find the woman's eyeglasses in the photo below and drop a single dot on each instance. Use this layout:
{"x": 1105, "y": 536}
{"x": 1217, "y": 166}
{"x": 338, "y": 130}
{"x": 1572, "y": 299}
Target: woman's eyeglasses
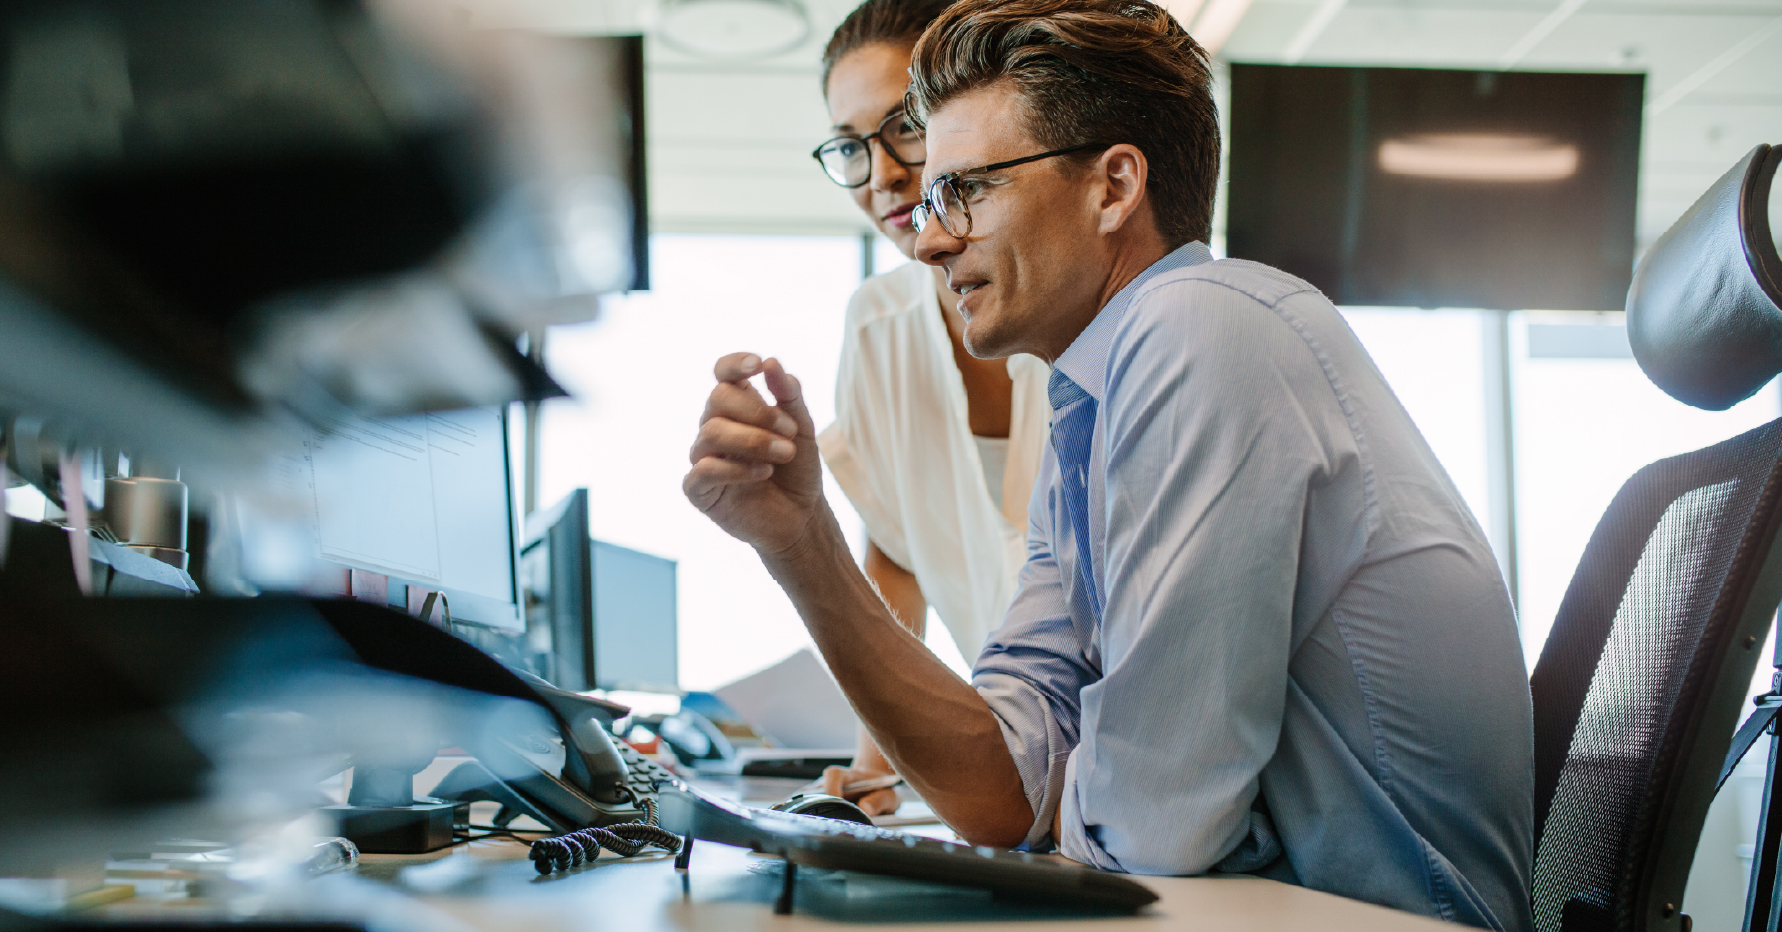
{"x": 947, "y": 204}
{"x": 847, "y": 160}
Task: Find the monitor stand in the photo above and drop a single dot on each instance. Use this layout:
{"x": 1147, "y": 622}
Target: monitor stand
{"x": 382, "y": 815}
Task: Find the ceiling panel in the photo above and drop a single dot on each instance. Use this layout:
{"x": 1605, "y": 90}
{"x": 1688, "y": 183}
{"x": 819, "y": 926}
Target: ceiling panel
{"x": 1414, "y": 35}
{"x": 1267, "y": 29}
{"x": 1702, "y": 7}
{"x": 1691, "y": 135}
{"x": 1756, "y": 73}
{"x": 1669, "y": 48}
{"x": 1687, "y": 148}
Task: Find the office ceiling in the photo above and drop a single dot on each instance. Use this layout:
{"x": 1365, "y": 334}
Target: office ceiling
{"x": 730, "y": 142}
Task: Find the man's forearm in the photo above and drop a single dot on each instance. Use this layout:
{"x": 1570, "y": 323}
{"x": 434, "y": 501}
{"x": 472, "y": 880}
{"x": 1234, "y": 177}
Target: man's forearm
{"x": 903, "y": 595}
{"x": 932, "y": 725}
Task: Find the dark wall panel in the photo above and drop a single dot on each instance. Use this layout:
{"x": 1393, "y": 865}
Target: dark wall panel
{"x": 1312, "y": 189}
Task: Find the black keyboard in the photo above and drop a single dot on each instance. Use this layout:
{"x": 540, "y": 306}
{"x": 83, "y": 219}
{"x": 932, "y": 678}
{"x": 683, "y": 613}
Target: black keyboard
{"x": 835, "y": 845}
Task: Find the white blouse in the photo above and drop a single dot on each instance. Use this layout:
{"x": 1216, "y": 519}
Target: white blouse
{"x": 902, "y": 450}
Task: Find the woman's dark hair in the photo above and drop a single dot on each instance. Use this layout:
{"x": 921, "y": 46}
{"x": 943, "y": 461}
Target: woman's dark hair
{"x": 1106, "y": 71}
{"x": 899, "y": 22}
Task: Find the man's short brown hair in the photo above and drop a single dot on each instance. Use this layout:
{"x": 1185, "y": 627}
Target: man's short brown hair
{"x": 1107, "y": 71}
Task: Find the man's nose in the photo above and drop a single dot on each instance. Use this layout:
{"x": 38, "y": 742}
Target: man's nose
{"x": 934, "y": 244}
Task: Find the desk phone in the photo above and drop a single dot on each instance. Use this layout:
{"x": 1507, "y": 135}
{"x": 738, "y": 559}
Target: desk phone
{"x": 578, "y": 776}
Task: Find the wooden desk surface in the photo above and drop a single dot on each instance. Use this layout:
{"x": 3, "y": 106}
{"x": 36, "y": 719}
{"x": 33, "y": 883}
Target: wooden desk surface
{"x": 491, "y": 886}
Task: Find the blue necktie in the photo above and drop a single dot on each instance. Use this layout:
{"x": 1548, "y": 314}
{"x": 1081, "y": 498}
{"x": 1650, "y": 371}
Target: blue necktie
{"x": 1073, "y": 432}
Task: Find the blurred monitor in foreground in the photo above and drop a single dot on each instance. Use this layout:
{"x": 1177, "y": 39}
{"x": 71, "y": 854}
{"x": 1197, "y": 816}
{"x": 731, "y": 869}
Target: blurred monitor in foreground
{"x": 607, "y": 613}
{"x": 627, "y": 51}
{"x": 226, "y": 214}
{"x": 425, "y": 500}
{"x": 1427, "y": 188}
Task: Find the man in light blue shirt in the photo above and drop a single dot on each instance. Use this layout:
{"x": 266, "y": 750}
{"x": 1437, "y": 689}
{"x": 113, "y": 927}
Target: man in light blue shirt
{"x": 1258, "y": 630}
{"x": 1290, "y": 634}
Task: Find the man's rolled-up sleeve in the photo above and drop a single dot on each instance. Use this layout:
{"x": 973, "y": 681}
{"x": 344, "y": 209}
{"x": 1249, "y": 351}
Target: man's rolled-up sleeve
{"x": 1032, "y": 670}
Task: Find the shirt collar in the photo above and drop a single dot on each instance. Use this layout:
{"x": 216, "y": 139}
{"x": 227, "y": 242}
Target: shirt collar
{"x": 1085, "y": 362}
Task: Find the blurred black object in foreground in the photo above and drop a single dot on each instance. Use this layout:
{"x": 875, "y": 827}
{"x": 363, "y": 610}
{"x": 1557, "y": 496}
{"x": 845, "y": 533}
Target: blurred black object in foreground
{"x": 212, "y": 212}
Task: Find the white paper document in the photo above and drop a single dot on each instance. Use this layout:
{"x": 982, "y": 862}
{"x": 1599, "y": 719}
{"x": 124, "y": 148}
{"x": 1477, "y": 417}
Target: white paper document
{"x": 795, "y": 704}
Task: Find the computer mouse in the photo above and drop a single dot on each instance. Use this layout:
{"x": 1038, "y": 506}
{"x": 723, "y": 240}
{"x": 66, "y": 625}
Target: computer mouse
{"x": 828, "y": 807}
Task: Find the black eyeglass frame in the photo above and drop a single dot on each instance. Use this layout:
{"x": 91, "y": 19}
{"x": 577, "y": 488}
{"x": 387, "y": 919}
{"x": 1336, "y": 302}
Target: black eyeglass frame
{"x": 867, "y": 140}
{"x": 930, "y": 203}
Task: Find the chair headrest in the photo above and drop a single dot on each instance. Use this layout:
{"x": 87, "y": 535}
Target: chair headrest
{"x": 1704, "y": 314}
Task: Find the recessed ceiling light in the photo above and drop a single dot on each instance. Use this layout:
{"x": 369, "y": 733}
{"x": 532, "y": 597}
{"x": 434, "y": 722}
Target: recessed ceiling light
{"x": 733, "y": 30}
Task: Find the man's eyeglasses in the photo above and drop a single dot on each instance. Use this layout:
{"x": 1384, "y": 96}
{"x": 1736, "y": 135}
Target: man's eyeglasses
{"x": 847, "y": 160}
{"x": 946, "y": 203}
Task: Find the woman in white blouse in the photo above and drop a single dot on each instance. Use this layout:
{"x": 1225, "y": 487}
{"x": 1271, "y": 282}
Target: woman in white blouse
{"x": 936, "y": 449}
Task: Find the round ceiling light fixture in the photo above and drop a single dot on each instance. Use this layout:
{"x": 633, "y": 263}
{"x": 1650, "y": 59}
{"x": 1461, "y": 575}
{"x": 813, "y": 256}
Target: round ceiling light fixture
{"x": 733, "y": 30}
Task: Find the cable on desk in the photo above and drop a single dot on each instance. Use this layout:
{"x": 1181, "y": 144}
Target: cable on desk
{"x": 463, "y": 835}
{"x": 626, "y": 839}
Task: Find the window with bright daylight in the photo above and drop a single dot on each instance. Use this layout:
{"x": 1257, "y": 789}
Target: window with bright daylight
{"x": 640, "y": 375}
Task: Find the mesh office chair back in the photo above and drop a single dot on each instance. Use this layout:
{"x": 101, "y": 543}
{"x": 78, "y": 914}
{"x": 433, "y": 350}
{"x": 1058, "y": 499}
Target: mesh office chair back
{"x": 1631, "y": 658}
{"x": 1639, "y": 686}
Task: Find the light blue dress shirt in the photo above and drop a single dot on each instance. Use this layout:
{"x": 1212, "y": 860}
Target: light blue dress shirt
{"x": 1293, "y": 653}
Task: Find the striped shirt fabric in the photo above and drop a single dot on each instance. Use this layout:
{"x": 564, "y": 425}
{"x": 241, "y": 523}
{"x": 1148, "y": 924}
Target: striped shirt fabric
{"x": 1258, "y": 630}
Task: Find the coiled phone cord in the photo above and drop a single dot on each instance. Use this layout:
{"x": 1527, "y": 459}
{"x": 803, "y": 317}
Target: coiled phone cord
{"x": 563, "y": 852}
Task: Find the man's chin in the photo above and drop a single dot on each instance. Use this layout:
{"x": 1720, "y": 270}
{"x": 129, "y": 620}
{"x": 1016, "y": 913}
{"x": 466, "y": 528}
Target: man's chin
{"x": 985, "y": 342}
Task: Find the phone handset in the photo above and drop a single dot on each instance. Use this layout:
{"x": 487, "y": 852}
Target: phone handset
{"x": 591, "y": 761}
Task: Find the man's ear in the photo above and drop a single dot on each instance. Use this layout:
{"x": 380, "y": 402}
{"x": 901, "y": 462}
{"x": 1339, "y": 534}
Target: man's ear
{"x": 1123, "y": 172}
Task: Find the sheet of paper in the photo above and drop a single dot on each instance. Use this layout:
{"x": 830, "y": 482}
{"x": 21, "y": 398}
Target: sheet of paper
{"x": 794, "y": 704}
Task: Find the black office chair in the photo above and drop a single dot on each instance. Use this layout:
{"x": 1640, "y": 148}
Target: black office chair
{"x": 1640, "y": 684}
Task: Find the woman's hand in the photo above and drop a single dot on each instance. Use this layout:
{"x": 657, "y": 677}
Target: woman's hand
{"x": 880, "y": 801}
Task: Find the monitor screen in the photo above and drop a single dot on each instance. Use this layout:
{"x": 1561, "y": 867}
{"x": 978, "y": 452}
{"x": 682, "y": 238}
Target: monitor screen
{"x": 634, "y": 620}
{"x": 557, "y": 582}
{"x": 608, "y": 613}
{"x": 424, "y": 499}
{"x": 1414, "y": 187}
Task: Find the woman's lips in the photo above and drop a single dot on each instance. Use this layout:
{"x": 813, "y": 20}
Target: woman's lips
{"x": 900, "y": 218}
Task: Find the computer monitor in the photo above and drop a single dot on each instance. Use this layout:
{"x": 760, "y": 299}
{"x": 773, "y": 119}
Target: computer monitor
{"x": 610, "y": 611}
{"x": 557, "y": 585}
{"x": 426, "y": 500}
{"x": 1415, "y": 187}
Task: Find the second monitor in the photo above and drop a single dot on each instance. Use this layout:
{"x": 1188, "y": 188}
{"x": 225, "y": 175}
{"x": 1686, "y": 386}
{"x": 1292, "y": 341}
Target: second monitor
{"x": 608, "y": 612}
{"x": 426, "y": 500}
